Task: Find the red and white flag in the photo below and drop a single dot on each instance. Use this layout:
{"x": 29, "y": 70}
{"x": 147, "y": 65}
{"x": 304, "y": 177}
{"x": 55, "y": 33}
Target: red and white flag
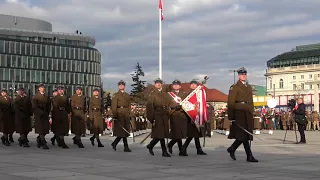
{"x": 196, "y": 107}
{"x": 161, "y": 9}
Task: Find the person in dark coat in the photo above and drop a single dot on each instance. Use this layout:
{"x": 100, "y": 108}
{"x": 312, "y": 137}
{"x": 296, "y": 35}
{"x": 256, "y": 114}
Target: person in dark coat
{"x": 120, "y": 106}
{"x": 96, "y": 109}
{"x": 178, "y": 118}
{"x": 23, "y": 112}
{"x": 60, "y": 112}
{"x": 41, "y": 109}
{"x": 78, "y": 110}
{"x": 158, "y": 115}
{"x": 193, "y": 132}
{"x": 54, "y": 94}
{"x": 300, "y": 118}
{"x": 6, "y": 118}
{"x": 240, "y": 113}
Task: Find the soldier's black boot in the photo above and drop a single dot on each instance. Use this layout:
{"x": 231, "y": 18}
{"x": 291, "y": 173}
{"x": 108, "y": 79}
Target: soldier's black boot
{"x": 232, "y": 149}
{"x": 126, "y": 146}
{"x": 247, "y": 148}
{"x": 11, "y": 138}
{"x": 74, "y": 140}
{"x": 170, "y": 145}
{"x": 164, "y": 149}
{"x": 7, "y": 143}
{"x": 78, "y": 141}
{"x": 3, "y": 140}
{"x": 115, "y": 143}
{"x": 198, "y": 146}
{"x": 182, "y": 151}
{"x": 25, "y": 143}
{"x": 53, "y": 139}
{"x": 92, "y": 140}
{"x": 150, "y": 146}
{"x": 44, "y": 144}
{"x": 38, "y": 142}
{"x": 63, "y": 144}
{"x": 20, "y": 141}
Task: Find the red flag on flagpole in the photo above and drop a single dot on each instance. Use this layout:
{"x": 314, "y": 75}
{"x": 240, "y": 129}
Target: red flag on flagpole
{"x": 161, "y": 9}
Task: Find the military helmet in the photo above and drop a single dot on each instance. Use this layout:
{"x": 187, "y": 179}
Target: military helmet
{"x": 158, "y": 80}
{"x": 176, "y": 82}
{"x": 242, "y": 70}
{"x": 121, "y": 82}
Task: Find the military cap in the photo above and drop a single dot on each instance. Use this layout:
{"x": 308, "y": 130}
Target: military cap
{"x": 41, "y": 85}
{"x": 194, "y": 81}
{"x": 158, "y": 80}
{"x": 242, "y": 71}
{"x": 21, "y": 89}
{"x": 4, "y": 90}
{"x": 54, "y": 90}
{"x": 133, "y": 104}
{"x": 139, "y": 106}
{"x": 79, "y": 88}
{"x": 176, "y": 82}
{"x": 95, "y": 89}
{"x": 121, "y": 82}
{"x": 60, "y": 88}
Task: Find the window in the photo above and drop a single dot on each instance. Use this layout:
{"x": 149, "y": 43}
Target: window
{"x": 310, "y": 86}
{"x": 281, "y": 84}
{"x": 294, "y": 87}
{"x": 1, "y": 46}
{"x": 302, "y": 86}
{"x": 302, "y": 76}
{"x": 310, "y": 76}
{"x": 293, "y": 77}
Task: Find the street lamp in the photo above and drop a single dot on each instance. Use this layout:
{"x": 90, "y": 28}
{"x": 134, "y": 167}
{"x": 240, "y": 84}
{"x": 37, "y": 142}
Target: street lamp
{"x": 234, "y": 75}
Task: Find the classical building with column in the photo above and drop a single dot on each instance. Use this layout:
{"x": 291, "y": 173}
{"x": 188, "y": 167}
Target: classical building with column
{"x": 294, "y": 74}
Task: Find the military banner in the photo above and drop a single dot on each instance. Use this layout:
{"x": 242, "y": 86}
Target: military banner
{"x": 195, "y": 106}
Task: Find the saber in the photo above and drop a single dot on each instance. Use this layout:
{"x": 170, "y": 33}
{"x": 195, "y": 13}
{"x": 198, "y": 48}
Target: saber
{"x": 145, "y": 138}
{"x": 246, "y": 131}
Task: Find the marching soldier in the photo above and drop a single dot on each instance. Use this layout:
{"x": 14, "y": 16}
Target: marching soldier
{"x": 41, "y": 110}
{"x": 178, "y": 118}
{"x": 23, "y": 112}
{"x": 226, "y": 123}
{"x": 284, "y": 120}
{"x": 240, "y": 113}
{"x": 309, "y": 119}
{"x": 256, "y": 122}
{"x": 78, "y": 110}
{"x": 6, "y": 119}
{"x": 193, "y": 132}
{"x": 54, "y": 94}
{"x": 120, "y": 105}
{"x": 133, "y": 113}
{"x": 96, "y": 109}
{"x": 315, "y": 118}
{"x": 61, "y": 110}
{"x": 157, "y": 114}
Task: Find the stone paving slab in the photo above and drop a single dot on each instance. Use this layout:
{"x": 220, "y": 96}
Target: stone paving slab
{"x": 277, "y": 161}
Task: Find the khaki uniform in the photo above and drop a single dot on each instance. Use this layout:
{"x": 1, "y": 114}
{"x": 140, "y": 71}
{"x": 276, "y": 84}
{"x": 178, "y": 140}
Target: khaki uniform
{"x": 96, "y": 110}
{"x": 315, "y": 118}
{"x": 309, "y": 119}
{"x": 120, "y": 107}
{"x": 133, "y": 116}
{"x": 41, "y": 108}
{"x": 61, "y": 109}
{"x": 78, "y": 110}
{"x": 269, "y": 119}
{"x": 23, "y": 112}
{"x": 6, "y": 115}
{"x": 256, "y": 121}
{"x": 284, "y": 120}
{"x": 240, "y": 109}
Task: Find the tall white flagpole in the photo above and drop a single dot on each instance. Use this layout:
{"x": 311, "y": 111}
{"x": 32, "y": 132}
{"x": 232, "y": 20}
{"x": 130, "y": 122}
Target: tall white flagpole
{"x": 160, "y": 43}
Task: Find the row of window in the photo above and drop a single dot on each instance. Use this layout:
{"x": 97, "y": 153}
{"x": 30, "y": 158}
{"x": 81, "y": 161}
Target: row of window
{"x": 45, "y": 50}
{"x": 49, "y": 40}
{"x": 33, "y": 76}
{"x": 38, "y": 63}
{"x": 294, "y": 62}
{"x": 294, "y": 78}
{"x": 69, "y": 90}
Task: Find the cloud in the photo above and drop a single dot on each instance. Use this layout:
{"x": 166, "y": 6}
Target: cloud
{"x": 203, "y": 37}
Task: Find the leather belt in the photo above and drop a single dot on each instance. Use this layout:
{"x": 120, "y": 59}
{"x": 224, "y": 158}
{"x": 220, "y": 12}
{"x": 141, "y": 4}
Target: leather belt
{"x": 77, "y": 108}
{"x": 242, "y": 102}
{"x": 122, "y": 107}
{"x": 96, "y": 109}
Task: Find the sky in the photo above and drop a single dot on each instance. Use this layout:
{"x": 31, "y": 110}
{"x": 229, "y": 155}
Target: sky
{"x": 200, "y": 37}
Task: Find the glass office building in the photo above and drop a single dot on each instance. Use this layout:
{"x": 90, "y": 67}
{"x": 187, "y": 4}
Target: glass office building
{"x": 33, "y": 54}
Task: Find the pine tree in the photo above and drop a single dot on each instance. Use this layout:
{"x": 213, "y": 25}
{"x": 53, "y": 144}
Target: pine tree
{"x": 138, "y": 85}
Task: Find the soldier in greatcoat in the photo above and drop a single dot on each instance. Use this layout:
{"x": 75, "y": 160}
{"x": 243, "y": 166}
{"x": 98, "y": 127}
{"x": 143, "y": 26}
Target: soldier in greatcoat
{"x": 120, "y": 106}
{"x": 41, "y": 109}
{"x": 178, "y": 118}
{"x": 193, "y": 132}
{"x": 158, "y": 115}
{"x": 6, "y": 118}
{"x": 23, "y": 112}
{"x": 61, "y": 110}
{"x": 78, "y": 110}
{"x": 54, "y": 94}
{"x": 96, "y": 109}
{"x": 240, "y": 113}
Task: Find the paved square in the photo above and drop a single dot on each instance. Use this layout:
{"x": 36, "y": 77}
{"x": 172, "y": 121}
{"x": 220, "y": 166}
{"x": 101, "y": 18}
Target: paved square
{"x": 278, "y": 161}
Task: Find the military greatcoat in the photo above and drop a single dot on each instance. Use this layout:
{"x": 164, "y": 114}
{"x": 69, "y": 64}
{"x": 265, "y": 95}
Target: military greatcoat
{"x": 120, "y": 106}
{"x": 23, "y": 112}
{"x": 41, "y": 109}
{"x": 61, "y": 109}
{"x": 157, "y": 113}
{"x": 178, "y": 118}
{"x": 240, "y": 109}
{"x": 96, "y": 110}
{"x": 6, "y": 115}
{"x": 256, "y": 120}
{"x": 78, "y": 110}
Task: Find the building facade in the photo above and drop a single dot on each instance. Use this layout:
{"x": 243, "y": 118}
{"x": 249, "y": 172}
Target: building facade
{"x": 30, "y": 53}
{"x": 294, "y": 74}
